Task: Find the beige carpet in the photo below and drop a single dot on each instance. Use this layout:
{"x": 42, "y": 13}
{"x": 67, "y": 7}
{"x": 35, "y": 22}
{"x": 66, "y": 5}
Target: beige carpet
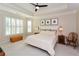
{"x": 22, "y": 49}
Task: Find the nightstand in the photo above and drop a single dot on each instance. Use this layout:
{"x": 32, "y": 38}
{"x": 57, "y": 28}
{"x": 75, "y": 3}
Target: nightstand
{"x": 61, "y": 39}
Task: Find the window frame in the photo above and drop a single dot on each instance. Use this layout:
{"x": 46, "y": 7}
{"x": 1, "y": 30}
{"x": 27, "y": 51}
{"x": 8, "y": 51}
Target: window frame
{"x": 28, "y": 27}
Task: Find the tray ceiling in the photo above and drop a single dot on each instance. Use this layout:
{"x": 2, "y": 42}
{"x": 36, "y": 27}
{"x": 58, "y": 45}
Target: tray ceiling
{"x": 28, "y": 9}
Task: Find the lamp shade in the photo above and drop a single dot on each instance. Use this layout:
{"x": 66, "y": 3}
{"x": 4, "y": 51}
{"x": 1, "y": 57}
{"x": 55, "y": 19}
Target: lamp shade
{"x": 60, "y": 28}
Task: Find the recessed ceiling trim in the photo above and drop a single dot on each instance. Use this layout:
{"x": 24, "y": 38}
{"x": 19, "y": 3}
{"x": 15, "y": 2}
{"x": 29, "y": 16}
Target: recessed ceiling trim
{"x": 13, "y": 11}
{"x": 63, "y": 7}
{"x": 56, "y": 14}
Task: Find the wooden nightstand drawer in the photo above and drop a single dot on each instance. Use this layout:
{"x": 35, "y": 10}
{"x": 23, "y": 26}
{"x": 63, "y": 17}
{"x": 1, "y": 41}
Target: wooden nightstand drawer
{"x": 61, "y": 39}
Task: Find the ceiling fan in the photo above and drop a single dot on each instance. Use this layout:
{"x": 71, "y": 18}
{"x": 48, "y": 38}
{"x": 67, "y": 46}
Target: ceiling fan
{"x": 37, "y": 6}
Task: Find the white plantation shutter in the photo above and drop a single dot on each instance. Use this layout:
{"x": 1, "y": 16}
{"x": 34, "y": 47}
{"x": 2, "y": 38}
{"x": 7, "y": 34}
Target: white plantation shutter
{"x": 13, "y": 26}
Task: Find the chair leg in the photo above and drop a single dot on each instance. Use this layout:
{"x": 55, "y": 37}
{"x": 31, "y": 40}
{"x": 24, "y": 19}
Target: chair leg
{"x": 75, "y": 45}
{"x": 67, "y": 43}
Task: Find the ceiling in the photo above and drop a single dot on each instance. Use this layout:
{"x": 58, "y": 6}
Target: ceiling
{"x": 26, "y": 9}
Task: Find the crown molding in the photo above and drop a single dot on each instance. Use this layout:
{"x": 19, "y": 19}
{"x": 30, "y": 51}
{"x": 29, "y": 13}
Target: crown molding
{"x": 7, "y": 9}
{"x": 57, "y": 14}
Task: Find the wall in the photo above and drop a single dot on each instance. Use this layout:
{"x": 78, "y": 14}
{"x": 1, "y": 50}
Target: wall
{"x": 77, "y": 27}
{"x": 77, "y": 21}
{"x": 67, "y": 20}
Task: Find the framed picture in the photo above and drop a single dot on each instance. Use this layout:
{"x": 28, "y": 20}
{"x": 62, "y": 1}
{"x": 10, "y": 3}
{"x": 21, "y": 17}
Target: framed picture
{"x": 54, "y": 21}
{"x": 47, "y": 22}
{"x": 42, "y": 22}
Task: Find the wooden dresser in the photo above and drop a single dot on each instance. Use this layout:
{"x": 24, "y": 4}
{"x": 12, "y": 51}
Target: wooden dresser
{"x": 61, "y": 39}
{"x": 16, "y": 38}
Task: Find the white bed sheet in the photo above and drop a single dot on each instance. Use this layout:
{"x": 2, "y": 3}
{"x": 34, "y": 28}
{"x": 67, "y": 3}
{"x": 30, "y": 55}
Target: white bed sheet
{"x": 45, "y": 42}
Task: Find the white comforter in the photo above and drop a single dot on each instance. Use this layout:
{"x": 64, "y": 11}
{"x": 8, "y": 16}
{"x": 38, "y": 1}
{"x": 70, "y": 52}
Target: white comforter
{"x": 45, "y": 42}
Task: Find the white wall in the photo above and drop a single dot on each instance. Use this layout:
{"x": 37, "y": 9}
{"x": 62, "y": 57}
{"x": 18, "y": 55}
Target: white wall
{"x": 77, "y": 15}
{"x": 77, "y": 21}
{"x": 67, "y": 20}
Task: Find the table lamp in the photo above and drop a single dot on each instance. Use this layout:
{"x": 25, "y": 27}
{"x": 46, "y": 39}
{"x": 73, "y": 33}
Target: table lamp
{"x": 60, "y": 29}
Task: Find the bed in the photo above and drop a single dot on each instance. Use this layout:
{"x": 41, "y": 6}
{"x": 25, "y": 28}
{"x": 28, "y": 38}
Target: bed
{"x": 45, "y": 40}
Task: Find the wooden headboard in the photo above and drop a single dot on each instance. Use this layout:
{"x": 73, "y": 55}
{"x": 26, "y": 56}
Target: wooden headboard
{"x": 49, "y": 30}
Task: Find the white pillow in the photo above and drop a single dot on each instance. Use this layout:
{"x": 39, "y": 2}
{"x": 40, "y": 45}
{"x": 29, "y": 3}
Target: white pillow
{"x": 48, "y": 32}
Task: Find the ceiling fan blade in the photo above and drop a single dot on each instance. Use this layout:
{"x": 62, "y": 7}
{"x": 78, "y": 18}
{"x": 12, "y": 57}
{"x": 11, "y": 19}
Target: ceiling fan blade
{"x": 37, "y": 5}
{"x": 33, "y": 4}
{"x": 42, "y": 5}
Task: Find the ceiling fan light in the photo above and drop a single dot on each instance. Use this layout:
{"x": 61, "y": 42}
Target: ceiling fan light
{"x": 37, "y": 7}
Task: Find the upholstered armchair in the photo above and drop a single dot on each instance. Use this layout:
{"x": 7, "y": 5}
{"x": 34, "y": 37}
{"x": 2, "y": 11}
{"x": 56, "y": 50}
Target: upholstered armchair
{"x": 72, "y": 39}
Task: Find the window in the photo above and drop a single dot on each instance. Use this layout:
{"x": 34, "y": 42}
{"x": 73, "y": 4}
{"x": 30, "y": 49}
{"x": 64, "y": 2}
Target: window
{"x": 13, "y": 26}
{"x": 29, "y": 25}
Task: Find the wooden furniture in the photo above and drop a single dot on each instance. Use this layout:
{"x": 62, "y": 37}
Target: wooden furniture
{"x": 72, "y": 39}
{"x": 61, "y": 39}
{"x": 36, "y": 33}
{"x": 2, "y": 52}
{"x": 16, "y": 38}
